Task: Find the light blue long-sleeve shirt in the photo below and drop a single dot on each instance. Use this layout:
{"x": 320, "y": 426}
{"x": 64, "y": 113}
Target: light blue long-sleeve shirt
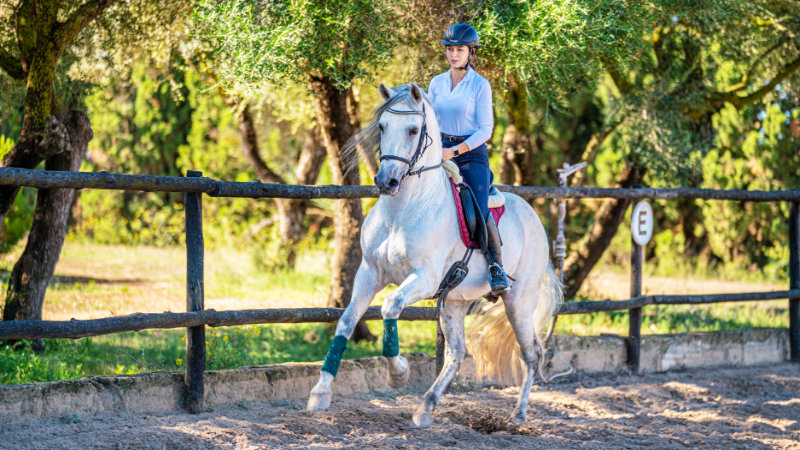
{"x": 465, "y": 110}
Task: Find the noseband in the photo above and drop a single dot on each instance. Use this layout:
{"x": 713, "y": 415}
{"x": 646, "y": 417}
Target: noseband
{"x": 420, "y": 148}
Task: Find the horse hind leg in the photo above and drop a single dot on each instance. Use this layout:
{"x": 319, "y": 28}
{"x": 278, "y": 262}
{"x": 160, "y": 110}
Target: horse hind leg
{"x": 452, "y": 322}
{"x": 520, "y": 306}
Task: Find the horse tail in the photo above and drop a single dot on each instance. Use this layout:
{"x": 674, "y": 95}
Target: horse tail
{"x": 491, "y": 340}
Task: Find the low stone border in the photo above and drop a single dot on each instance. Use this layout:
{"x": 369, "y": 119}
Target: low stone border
{"x": 163, "y": 392}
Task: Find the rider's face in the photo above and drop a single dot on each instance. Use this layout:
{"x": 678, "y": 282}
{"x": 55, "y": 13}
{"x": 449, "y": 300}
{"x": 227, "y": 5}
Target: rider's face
{"x": 457, "y": 55}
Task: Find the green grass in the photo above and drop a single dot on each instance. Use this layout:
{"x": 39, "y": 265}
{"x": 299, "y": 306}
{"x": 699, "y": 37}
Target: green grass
{"x": 164, "y": 350}
{"x": 666, "y": 319}
{"x": 100, "y": 281}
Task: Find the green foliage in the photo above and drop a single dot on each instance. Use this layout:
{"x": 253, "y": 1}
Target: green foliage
{"x": 23, "y": 365}
{"x": 256, "y": 41}
{"x": 555, "y": 45}
{"x": 756, "y": 155}
{"x": 18, "y": 221}
{"x": 163, "y": 121}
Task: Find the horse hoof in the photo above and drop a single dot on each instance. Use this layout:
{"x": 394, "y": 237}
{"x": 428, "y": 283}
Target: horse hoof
{"x": 400, "y": 378}
{"x": 421, "y": 420}
{"x": 318, "y": 402}
{"x": 396, "y": 382}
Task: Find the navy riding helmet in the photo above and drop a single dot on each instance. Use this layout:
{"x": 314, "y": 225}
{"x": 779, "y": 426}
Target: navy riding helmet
{"x": 461, "y": 34}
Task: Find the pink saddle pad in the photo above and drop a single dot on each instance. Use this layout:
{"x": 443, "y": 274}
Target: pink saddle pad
{"x": 497, "y": 213}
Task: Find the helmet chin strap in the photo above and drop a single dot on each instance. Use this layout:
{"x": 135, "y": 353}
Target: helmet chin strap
{"x": 469, "y": 60}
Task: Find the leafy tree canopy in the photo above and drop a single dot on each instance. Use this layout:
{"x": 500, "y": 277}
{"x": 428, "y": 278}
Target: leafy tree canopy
{"x": 256, "y": 41}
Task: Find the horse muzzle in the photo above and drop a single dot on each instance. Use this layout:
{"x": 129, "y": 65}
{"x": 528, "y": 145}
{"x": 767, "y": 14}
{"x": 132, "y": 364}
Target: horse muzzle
{"x": 388, "y": 183}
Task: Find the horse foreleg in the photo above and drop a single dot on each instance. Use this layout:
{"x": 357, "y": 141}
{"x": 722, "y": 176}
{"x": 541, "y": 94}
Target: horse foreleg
{"x": 414, "y": 288}
{"x": 452, "y": 322}
{"x": 365, "y": 286}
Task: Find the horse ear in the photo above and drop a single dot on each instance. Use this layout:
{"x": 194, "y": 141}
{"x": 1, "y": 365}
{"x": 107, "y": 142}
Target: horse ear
{"x": 416, "y": 93}
{"x": 386, "y": 92}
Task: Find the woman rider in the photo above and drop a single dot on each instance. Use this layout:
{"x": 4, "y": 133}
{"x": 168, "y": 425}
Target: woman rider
{"x": 463, "y": 103}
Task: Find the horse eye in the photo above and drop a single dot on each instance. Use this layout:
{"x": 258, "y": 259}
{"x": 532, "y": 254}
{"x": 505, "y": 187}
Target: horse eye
{"x": 413, "y": 131}
{"x": 380, "y": 127}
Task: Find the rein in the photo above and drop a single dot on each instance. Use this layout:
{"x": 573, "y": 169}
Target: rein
{"x": 420, "y": 149}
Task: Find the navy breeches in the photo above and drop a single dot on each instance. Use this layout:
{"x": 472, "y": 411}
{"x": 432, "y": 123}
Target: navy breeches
{"x": 474, "y": 166}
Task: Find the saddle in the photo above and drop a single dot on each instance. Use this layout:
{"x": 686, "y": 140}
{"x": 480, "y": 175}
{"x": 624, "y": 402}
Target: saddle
{"x": 473, "y": 230}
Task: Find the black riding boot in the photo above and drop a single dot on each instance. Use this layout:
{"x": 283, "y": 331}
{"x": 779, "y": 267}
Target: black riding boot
{"x": 497, "y": 276}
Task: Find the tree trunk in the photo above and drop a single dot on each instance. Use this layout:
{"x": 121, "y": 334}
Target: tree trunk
{"x": 336, "y": 128}
{"x": 32, "y": 273}
{"x": 606, "y": 223}
{"x": 41, "y": 37}
{"x": 290, "y": 211}
{"x": 517, "y": 165}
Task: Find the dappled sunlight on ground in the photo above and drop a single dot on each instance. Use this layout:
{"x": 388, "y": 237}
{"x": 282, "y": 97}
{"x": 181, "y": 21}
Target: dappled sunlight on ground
{"x": 752, "y": 407}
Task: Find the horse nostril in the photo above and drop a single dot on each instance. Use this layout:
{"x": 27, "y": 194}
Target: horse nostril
{"x": 393, "y": 183}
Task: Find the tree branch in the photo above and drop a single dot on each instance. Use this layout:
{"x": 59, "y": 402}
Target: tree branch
{"x": 659, "y": 37}
{"x": 11, "y": 65}
{"x": 746, "y": 78}
{"x": 716, "y": 99}
{"x": 250, "y": 146}
{"x": 753, "y": 97}
{"x": 66, "y": 31}
{"x": 620, "y": 81}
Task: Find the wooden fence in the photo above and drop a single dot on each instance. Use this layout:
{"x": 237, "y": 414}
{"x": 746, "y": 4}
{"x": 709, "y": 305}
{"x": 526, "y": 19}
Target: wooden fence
{"x": 197, "y": 317}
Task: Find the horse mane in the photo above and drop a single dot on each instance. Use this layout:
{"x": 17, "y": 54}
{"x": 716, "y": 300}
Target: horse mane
{"x": 366, "y": 142}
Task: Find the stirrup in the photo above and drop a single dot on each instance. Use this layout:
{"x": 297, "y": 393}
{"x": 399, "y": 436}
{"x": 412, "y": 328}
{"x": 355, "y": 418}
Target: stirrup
{"x": 499, "y": 283}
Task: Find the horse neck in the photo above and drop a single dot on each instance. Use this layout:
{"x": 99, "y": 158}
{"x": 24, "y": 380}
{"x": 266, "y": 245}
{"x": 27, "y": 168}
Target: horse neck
{"x": 426, "y": 190}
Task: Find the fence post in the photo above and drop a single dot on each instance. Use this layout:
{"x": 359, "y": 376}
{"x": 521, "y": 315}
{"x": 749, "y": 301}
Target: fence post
{"x": 195, "y": 336}
{"x": 635, "y": 314}
{"x": 794, "y": 282}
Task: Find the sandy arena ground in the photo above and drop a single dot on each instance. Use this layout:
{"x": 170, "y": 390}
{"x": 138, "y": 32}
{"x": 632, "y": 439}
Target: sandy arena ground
{"x": 754, "y": 407}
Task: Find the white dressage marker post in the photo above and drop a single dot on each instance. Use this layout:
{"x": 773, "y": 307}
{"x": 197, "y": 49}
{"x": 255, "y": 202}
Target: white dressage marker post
{"x": 641, "y": 232}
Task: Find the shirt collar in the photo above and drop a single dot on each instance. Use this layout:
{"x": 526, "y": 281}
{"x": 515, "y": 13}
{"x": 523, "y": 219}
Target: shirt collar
{"x": 466, "y": 77}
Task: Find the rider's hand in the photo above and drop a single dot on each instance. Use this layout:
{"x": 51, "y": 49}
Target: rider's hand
{"x": 449, "y": 153}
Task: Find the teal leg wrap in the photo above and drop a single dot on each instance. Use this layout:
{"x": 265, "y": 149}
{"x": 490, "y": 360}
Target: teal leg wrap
{"x": 391, "y": 345}
{"x": 334, "y": 356}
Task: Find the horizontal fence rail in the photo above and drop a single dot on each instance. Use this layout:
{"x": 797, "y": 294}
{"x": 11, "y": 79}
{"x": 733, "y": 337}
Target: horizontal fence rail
{"x": 638, "y": 302}
{"x": 34, "y": 329}
{"x": 12, "y": 176}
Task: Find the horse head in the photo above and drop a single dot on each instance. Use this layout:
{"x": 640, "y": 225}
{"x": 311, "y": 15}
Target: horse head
{"x": 407, "y": 124}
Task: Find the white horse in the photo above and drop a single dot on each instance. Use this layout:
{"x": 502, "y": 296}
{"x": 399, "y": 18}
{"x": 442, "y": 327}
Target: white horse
{"x": 410, "y": 238}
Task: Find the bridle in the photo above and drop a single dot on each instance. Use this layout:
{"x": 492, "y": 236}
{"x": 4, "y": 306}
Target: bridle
{"x": 423, "y": 135}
